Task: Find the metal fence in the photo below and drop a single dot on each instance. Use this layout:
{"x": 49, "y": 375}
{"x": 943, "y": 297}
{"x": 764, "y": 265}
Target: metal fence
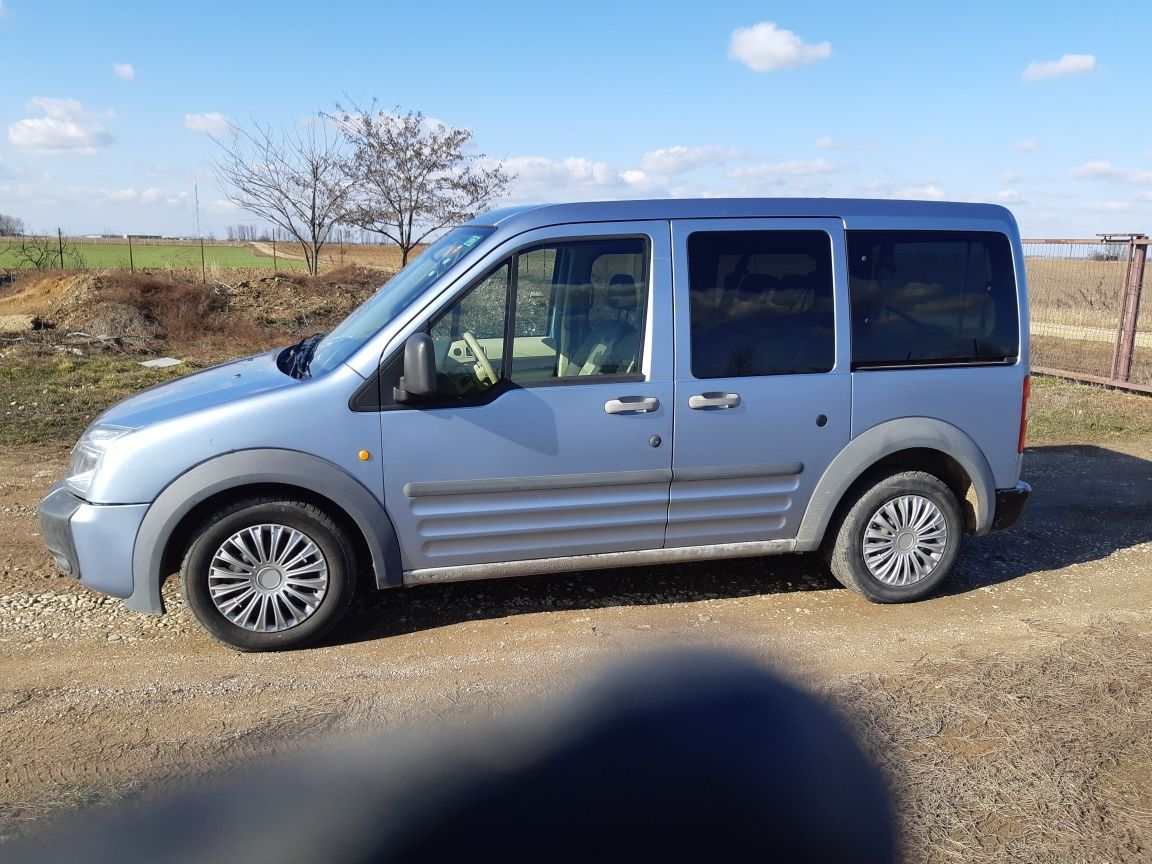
{"x": 1086, "y": 319}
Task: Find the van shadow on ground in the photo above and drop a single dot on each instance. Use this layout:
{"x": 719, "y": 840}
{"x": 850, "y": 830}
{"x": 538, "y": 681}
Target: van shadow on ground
{"x": 1087, "y": 503}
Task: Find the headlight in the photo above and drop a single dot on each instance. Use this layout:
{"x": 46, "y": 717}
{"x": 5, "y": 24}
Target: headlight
{"x": 86, "y": 456}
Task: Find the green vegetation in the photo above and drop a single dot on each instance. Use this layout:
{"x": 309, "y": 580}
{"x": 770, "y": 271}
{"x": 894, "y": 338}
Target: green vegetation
{"x": 52, "y": 398}
{"x": 168, "y": 256}
{"x": 1062, "y": 412}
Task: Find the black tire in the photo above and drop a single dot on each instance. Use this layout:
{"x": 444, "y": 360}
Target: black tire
{"x": 290, "y": 585}
{"x": 928, "y": 516}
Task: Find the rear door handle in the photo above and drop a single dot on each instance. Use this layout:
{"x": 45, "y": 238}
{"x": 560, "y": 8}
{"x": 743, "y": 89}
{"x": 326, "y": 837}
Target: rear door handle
{"x": 714, "y": 400}
{"x": 631, "y": 405}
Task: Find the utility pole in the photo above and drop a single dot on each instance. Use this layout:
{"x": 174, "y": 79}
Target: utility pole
{"x": 199, "y": 236}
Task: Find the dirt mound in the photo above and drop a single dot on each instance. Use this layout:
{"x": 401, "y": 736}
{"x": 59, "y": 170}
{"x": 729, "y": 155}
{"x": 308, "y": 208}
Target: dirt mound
{"x": 54, "y": 298}
{"x": 296, "y": 300}
{"x": 137, "y": 309}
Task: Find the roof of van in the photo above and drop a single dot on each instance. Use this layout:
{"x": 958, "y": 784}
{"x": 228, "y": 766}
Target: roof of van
{"x": 849, "y": 209}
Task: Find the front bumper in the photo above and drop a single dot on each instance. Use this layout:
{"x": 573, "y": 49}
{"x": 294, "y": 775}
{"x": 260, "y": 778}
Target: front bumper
{"x": 1010, "y": 506}
{"x": 91, "y": 542}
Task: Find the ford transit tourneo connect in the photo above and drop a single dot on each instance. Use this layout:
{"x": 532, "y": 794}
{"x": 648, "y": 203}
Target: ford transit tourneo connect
{"x": 577, "y": 386}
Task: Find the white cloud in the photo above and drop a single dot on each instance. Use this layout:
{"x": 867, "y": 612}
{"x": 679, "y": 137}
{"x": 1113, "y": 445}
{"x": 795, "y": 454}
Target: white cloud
{"x": 1007, "y": 196}
{"x": 1028, "y": 145}
{"x": 794, "y": 168}
{"x": 1099, "y": 169}
{"x": 925, "y": 192}
{"x": 125, "y": 71}
{"x": 541, "y": 178}
{"x": 765, "y": 47}
{"x": 67, "y": 127}
{"x": 1108, "y": 206}
{"x": 1095, "y": 168}
{"x": 1069, "y": 64}
{"x": 930, "y": 192}
{"x": 1010, "y": 177}
{"x": 677, "y": 160}
{"x": 829, "y": 143}
{"x": 212, "y": 123}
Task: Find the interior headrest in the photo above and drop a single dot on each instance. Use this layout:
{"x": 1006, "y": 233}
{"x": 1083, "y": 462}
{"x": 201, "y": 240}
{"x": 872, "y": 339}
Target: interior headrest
{"x": 621, "y": 293}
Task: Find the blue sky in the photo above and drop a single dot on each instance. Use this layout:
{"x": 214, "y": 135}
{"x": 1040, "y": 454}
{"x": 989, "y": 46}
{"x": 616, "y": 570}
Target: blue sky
{"x": 1040, "y": 106}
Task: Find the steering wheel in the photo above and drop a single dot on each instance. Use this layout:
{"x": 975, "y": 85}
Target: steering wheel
{"x": 484, "y": 370}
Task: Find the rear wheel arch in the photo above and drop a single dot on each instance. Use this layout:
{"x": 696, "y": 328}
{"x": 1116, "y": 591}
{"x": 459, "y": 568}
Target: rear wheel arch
{"x": 908, "y": 444}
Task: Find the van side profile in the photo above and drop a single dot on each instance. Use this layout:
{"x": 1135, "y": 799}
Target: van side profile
{"x": 577, "y": 386}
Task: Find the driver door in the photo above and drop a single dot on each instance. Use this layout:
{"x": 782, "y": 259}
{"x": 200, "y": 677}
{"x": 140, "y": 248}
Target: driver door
{"x": 550, "y": 434}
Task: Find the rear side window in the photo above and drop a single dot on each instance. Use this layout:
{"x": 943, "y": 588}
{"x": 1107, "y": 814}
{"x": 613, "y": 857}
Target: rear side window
{"x": 923, "y": 298}
{"x": 761, "y": 303}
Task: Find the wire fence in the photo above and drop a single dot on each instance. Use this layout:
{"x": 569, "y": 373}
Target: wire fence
{"x": 156, "y": 253}
{"x": 1085, "y": 313}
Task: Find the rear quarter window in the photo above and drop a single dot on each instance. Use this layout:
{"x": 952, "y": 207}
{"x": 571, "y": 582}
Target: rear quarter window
{"x": 923, "y": 298}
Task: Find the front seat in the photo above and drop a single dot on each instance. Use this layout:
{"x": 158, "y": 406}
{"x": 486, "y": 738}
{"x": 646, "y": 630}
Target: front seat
{"x": 612, "y": 345}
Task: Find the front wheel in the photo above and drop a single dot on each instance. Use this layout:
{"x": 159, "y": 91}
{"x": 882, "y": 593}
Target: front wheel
{"x": 265, "y": 575}
{"x": 899, "y": 540}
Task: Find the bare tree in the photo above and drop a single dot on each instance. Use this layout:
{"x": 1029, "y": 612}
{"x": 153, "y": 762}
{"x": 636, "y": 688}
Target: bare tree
{"x": 412, "y": 176}
{"x": 295, "y": 179}
{"x": 11, "y": 226}
{"x": 44, "y": 252}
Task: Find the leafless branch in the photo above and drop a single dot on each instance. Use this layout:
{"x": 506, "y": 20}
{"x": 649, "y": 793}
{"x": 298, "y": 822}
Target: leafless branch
{"x": 412, "y": 175}
{"x": 293, "y": 179}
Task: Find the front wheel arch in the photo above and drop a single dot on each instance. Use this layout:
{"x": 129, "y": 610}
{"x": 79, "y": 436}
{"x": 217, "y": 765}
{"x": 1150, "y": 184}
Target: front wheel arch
{"x": 164, "y": 533}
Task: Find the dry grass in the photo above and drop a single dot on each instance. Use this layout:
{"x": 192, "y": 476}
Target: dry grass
{"x": 1079, "y": 284}
{"x": 1044, "y": 759}
{"x": 1066, "y": 412}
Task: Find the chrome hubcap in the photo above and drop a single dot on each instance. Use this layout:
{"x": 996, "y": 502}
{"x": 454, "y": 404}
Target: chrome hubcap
{"x": 268, "y": 578}
{"x": 905, "y": 540}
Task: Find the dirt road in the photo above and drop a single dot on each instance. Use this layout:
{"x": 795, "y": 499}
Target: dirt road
{"x": 95, "y": 699}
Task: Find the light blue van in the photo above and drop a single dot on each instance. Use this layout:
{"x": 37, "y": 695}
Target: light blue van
{"x": 579, "y": 386}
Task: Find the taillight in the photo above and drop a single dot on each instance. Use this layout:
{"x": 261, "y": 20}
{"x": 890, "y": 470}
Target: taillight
{"x": 1025, "y": 392}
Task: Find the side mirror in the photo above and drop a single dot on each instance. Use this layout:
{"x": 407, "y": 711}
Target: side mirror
{"x": 419, "y": 378}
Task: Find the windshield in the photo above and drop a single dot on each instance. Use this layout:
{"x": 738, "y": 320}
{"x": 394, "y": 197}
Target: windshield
{"x": 394, "y": 296}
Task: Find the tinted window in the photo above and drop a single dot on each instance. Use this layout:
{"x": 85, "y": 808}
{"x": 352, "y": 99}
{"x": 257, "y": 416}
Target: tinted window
{"x": 761, "y": 303}
{"x": 931, "y": 297}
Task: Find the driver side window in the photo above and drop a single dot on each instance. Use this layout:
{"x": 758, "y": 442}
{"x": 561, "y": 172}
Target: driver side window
{"x": 474, "y": 323}
{"x": 567, "y": 310}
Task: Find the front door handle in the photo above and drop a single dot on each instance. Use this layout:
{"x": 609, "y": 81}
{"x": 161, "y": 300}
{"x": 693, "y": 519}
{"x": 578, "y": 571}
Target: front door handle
{"x": 631, "y": 405}
{"x": 714, "y": 400}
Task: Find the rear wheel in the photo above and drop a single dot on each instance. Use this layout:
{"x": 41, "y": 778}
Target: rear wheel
{"x": 269, "y": 574}
{"x": 899, "y": 540}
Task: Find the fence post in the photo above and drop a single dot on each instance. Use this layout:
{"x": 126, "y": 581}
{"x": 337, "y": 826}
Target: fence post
{"x": 131, "y": 263}
{"x": 1129, "y": 308}
{"x": 60, "y": 246}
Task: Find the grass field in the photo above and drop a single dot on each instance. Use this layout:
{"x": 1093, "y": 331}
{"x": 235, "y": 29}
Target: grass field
{"x": 174, "y": 256}
{"x": 151, "y": 255}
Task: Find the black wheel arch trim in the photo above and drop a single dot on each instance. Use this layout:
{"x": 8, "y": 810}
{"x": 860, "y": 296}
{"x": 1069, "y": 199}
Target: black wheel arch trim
{"x": 872, "y": 446}
{"x": 242, "y": 469}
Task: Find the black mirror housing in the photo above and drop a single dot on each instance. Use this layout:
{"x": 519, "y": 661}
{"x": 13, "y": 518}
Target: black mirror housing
{"x": 419, "y": 378}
